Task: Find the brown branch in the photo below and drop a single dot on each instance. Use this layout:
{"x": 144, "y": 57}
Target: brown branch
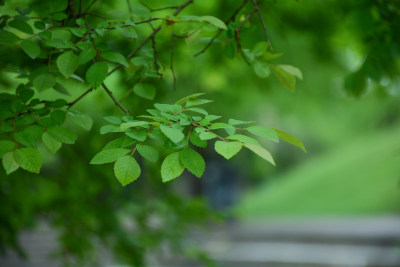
{"x": 115, "y": 100}
{"x": 237, "y": 31}
{"x": 132, "y": 54}
{"x": 262, "y": 23}
{"x": 153, "y": 42}
{"x": 231, "y": 18}
{"x": 172, "y": 60}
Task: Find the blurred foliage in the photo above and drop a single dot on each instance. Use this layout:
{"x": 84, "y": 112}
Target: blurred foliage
{"x": 343, "y": 49}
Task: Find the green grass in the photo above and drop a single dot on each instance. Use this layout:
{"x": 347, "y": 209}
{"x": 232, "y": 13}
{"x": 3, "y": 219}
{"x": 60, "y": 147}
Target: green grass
{"x": 361, "y": 177}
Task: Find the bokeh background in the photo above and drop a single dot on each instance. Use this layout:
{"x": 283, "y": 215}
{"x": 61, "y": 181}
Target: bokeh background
{"x": 338, "y": 204}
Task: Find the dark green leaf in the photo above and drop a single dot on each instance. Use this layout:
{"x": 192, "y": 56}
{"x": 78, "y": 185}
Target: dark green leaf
{"x": 97, "y": 73}
{"x": 44, "y": 81}
{"x": 67, "y": 63}
{"x": 62, "y": 134}
{"x": 31, "y": 48}
{"x": 29, "y": 159}
{"x": 109, "y": 155}
{"x": 115, "y": 57}
{"x": 9, "y": 163}
{"x": 52, "y": 144}
{"x": 6, "y": 146}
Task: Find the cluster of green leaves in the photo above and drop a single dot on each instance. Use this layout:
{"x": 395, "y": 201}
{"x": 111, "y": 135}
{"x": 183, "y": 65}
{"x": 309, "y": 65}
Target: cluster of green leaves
{"x": 27, "y": 123}
{"x": 179, "y": 128}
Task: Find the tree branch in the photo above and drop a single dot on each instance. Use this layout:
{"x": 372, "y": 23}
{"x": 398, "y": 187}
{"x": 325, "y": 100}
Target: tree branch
{"x": 232, "y": 17}
{"x": 262, "y": 23}
{"x": 115, "y": 100}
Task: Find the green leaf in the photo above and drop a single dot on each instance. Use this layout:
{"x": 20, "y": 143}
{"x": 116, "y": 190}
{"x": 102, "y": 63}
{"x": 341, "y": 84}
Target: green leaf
{"x": 171, "y": 167}
{"x": 172, "y": 133}
{"x": 26, "y": 94}
{"x": 262, "y": 69}
{"x": 221, "y": 125}
{"x": 80, "y": 119}
{"x": 61, "y": 89}
{"x": 139, "y": 135}
{"x": 29, "y": 159}
{"x": 127, "y": 125}
{"x": 62, "y": 134}
{"x": 29, "y": 136}
{"x": 44, "y": 81}
{"x": 198, "y": 110}
{"x": 214, "y": 21}
{"x": 212, "y": 117}
{"x": 292, "y": 70}
{"x": 86, "y": 55}
{"x": 195, "y": 140}
{"x": 260, "y": 151}
{"x": 109, "y": 129}
{"x": 6, "y": 146}
{"x": 97, "y": 73}
{"x": 21, "y": 26}
{"x": 9, "y": 163}
{"x": 120, "y": 142}
{"x": 286, "y": 78}
{"x": 113, "y": 119}
{"x": 186, "y": 98}
{"x": 196, "y": 102}
{"x": 144, "y": 90}
{"x": 291, "y": 139}
{"x": 115, "y": 57}
{"x": 193, "y": 161}
{"x": 109, "y": 155}
{"x": 61, "y": 35}
{"x": 264, "y": 132}
{"x": 227, "y": 149}
{"x": 168, "y": 108}
{"x": 52, "y": 144}
{"x": 7, "y": 37}
{"x": 207, "y": 136}
{"x": 148, "y": 152}
{"x": 244, "y": 139}
{"x": 126, "y": 169}
{"x": 31, "y": 48}
{"x": 67, "y": 63}
{"x": 238, "y": 122}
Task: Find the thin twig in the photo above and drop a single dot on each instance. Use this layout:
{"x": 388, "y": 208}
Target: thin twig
{"x": 90, "y": 5}
{"x": 115, "y": 100}
{"x": 262, "y": 23}
{"x": 70, "y": 104}
{"x": 232, "y": 17}
{"x": 153, "y": 42}
{"x": 172, "y": 60}
{"x": 237, "y": 31}
{"x": 157, "y": 9}
{"x": 91, "y": 38}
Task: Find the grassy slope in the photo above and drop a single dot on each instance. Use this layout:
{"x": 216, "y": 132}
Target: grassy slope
{"x": 359, "y": 178}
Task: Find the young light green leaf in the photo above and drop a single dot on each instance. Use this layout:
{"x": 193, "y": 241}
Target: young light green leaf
{"x": 286, "y": 78}
{"x": 113, "y": 119}
{"x": 244, "y": 139}
{"x": 227, "y": 149}
{"x": 291, "y": 139}
{"x": 119, "y": 143}
{"x": 115, "y": 57}
{"x": 80, "y": 119}
{"x": 148, "y": 152}
{"x": 6, "y": 146}
{"x": 44, "y": 81}
{"x": 126, "y": 169}
{"x": 168, "y": 108}
{"x": 52, "y": 144}
{"x": 171, "y": 167}
{"x": 31, "y": 48}
{"x": 29, "y": 159}
{"x": 193, "y": 161}
{"x": 9, "y": 163}
{"x": 238, "y": 122}
{"x": 62, "y": 134}
{"x": 221, "y": 125}
{"x": 207, "y": 135}
{"x": 139, "y": 135}
{"x": 131, "y": 124}
{"x": 186, "y": 98}
{"x": 145, "y": 90}
{"x": 212, "y": 117}
{"x": 109, "y": 129}
{"x": 67, "y": 63}
{"x": 262, "y": 152}
{"x": 172, "y": 133}
{"x": 214, "y": 21}
{"x": 196, "y": 102}
{"x": 262, "y": 69}
{"x": 86, "y": 55}
{"x": 264, "y": 132}
{"x": 195, "y": 140}
{"x": 97, "y": 73}
{"x": 109, "y": 155}
{"x": 292, "y": 70}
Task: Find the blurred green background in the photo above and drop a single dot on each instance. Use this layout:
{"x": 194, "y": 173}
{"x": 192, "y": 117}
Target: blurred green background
{"x": 346, "y": 112}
